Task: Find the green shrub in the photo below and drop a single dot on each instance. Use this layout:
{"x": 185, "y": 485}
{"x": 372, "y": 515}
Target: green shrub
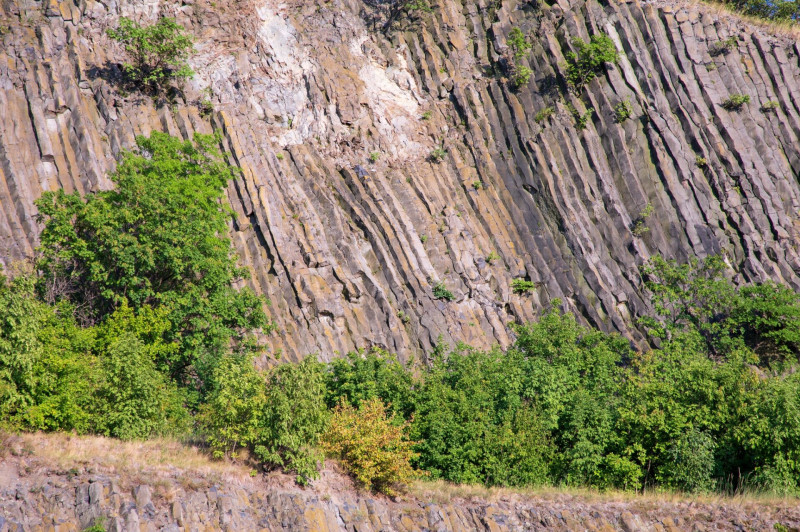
{"x": 770, "y": 106}
{"x": 477, "y": 185}
{"x": 293, "y": 418}
{"x": 544, "y": 114}
{"x": 231, "y": 415}
{"x": 371, "y": 446}
{"x": 438, "y": 154}
{"x": 520, "y": 76}
{"x": 723, "y": 47}
{"x": 359, "y": 377}
{"x": 279, "y": 415}
{"x": 689, "y": 463}
{"x": 427, "y": 115}
{"x": 572, "y": 374}
{"x": 158, "y": 52}
{"x": 158, "y": 239}
{"x": 701, "y": 162}
{"x": 49, "y": 374}
{"x": 492, "y": 256}
{"x": 440, "y": 291}
{"x": 623, "y": 111}
{"x": 518, "y": 44}
{"x": 589, "y": 59}
{"x": 374, "y": 156}
{"x": 735, "y": 102}
{"x": 472, "y": 424}
{"x": 522, "y": 286}
{"x": 136, "y": 401}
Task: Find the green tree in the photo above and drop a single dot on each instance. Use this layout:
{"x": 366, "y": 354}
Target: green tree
{"x": 589, "y": 59}
{"x": 377, "y": 374}
{"x": 157, "y": 240}
{"x": 158, "y": 52}
{"x": 697, "y": 296}
{"x": 293, "y": 418}
{"x": 135, "y": 400}
{"x": 572, "y": 374}
{"x": 472, "y": 424}
{"x": 279, "y": 416}
{"x": 236, "y": 401}
{"x": 48, "y": 373}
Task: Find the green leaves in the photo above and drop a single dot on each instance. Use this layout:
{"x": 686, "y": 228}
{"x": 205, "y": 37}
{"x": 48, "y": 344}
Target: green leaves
{"x": 158, "y": 52}
{"x": 278, "y": 416}
{"x": 589, "y": 59}
{"x": 768, "y": 9}
{"x": 698, "y": 297}
{"x": 157, "y": 240}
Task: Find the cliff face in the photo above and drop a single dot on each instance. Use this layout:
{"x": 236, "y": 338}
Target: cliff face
{"x": 347, "y": 250}
{"x": 62, "y": 484}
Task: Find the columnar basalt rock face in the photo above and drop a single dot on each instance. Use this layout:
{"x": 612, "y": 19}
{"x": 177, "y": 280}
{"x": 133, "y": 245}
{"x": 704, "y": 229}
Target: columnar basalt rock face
{"x": 347, "y": 249}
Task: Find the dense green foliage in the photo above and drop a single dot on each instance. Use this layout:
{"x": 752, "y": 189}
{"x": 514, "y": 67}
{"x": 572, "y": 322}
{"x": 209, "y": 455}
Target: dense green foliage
{"x": 589, "y": 59}
{"x": 129, "y": 325}
{"x": 278, "y": 415}
{"x": 131, "y": 305}
{"x": 158, "y": 52}
{"x": 156, "y": 241}
{"x": 768, "y": 9}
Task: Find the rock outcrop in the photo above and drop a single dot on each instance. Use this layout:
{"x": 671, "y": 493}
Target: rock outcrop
{"x": 348, "y": 249}
{"x": 38, "y": 494}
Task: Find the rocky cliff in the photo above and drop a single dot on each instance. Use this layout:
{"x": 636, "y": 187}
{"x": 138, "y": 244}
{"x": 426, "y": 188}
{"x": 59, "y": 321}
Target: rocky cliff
{"x": 62, "y": 484}
{"x": 347, "y": 249}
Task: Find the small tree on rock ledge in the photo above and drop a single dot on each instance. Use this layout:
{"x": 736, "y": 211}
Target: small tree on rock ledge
{"x": 158, "y": 52}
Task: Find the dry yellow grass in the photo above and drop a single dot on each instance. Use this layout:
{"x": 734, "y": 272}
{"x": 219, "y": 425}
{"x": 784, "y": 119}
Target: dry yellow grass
{"x": 444, "y": 492}
{"x": 67, "y": 451}
{"x": 161, "y": 459}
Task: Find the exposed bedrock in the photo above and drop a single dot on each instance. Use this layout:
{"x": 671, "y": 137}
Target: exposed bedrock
{"x": 346, "y": 249}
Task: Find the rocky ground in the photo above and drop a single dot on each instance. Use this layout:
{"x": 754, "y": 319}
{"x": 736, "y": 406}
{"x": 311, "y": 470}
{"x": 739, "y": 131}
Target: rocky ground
{"x": 61, "y": 483}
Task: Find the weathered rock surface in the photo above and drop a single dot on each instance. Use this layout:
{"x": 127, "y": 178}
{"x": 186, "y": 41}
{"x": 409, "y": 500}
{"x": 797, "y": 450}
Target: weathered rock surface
{"x": 35, "y": 496}
{"x": 347, "y": 250}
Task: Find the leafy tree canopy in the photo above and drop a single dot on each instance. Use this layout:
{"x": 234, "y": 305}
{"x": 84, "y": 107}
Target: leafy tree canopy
{"x": 158, "y": 52}
{"x": 157, "y": 240}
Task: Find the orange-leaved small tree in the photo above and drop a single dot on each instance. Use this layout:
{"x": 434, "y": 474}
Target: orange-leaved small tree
{"x": 371, "y": 446}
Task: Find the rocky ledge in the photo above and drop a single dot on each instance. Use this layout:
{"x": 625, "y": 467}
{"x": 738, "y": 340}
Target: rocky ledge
{"x": 48, "y": 485}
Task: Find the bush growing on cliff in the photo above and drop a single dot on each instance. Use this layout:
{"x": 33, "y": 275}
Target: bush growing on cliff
{"x": 518, "y": 43}
{"x": 519, "y": 75}
{"x": 589, "y": 59}
{"x": 158, "y": 52}
{"x": 735, "y": 102}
